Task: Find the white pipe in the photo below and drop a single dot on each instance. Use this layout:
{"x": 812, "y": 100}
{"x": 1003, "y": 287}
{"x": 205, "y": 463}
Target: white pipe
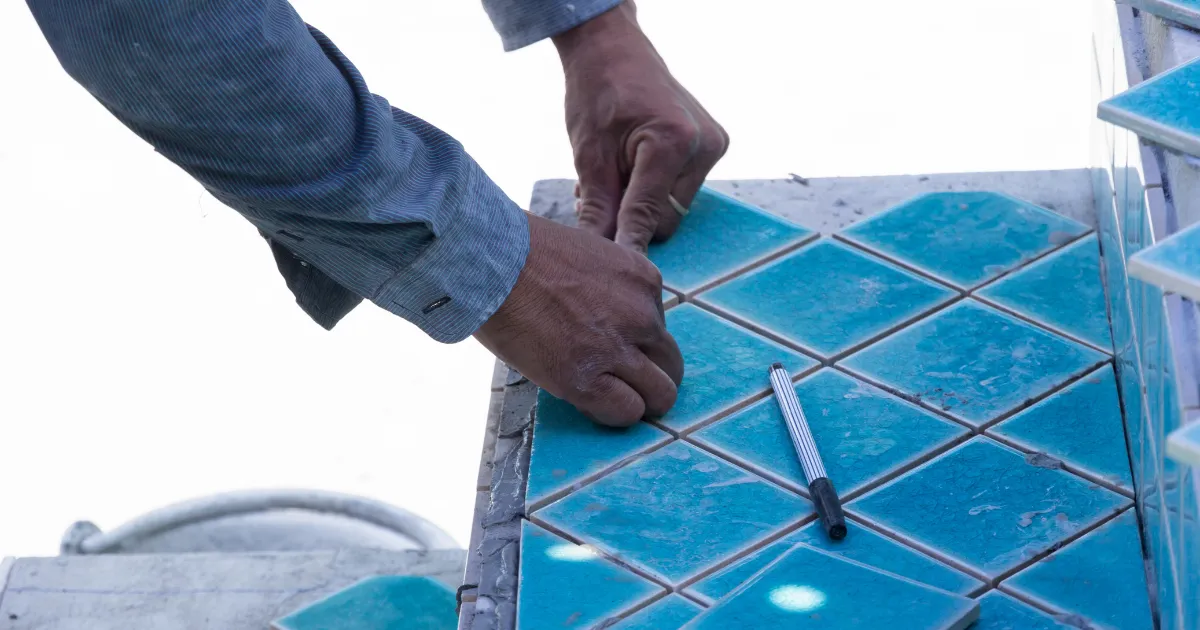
{"x": 422, "y": 532}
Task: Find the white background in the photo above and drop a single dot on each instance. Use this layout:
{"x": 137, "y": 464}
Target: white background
{"x": 149, "y": 352}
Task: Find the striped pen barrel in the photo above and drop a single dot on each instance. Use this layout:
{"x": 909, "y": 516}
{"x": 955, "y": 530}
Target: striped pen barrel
{"x": 824, "y": 496}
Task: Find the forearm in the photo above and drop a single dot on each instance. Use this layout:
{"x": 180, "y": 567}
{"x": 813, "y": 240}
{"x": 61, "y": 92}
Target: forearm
{"x": 277, "y": 124}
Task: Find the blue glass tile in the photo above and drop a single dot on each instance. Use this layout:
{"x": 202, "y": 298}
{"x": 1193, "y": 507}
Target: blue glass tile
{"x": 1081, "y": 425}
{"x": 808, "y": 588}
{"x": 1160, "y": 109}
{"x": 1100, "y": 577}
{"x": 861, "y": 431}
{"x": 719, "y": 236}
{"x": 568, "y": 448}
{"x": 1183, "y": 445}
{"x": 1173, "y": 264}
{"x": 1182, "y": 11}
{"x": 564, "y": 585}
{"x": 965, "y": 237}
{"x": 998, "y": 611}
{"x": 1064, "y": 290}
{"x": 985, "y": 506}
{"x": 723, "y": 364}
{"x": 828, "y": 297}
{"x": 675, "y": 511}
{"x": 973, "y": 362}
{"x": 668, "y": 613}
{"x": 394, "y": 602}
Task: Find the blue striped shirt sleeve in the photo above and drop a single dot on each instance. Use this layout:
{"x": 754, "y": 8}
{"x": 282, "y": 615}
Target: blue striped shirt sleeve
{"x": 274, "y": 121}
{"x": 523, "y": 22}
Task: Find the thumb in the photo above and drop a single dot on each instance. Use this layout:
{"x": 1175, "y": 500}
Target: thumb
{"x": 645, "y": 201}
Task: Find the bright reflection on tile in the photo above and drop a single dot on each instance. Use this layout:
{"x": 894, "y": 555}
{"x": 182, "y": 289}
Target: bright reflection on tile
{"x": 795, "y": 598}
{"x": 571, "y": 553}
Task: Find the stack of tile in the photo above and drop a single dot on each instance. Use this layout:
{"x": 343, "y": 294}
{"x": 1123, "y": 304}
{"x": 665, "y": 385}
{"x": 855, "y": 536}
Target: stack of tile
{"x": 952, "y": 357}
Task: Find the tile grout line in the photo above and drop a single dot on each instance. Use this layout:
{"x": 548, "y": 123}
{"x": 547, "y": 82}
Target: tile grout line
{"x": 900, "y": 470}
{"x": 1078, "y": 471}
{"x": 923, "y": 273}
{"x": 626, "y": 613}
{"x": 1029, "y": 600}
{"x": 908, "y": 398}
{"x": 742, "y": 554}
{"x": 1060, "y": 545}
{"x": 734, "y": 408}
{"x": 1030, "y": 402}
{"x": 763, "y": 260}
{"x": 601, "y": 551}
{"x": 1026, "y": 263}
{"x": 608, "y": 469}
{"x": 761, "y": 331}
{"x": 1040, "y": 324}
{"x": 769, "y": 475}
{"x": 916, "y": 545}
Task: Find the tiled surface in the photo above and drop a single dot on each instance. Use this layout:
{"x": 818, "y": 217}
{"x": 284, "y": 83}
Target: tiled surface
{"x": 1060, "y": 290}
{"x": 807, "y": 588}
{"x": 1082, "y": 578}
{"x": 1161, "y": 109}
{"x": 567, "y": 448}
{"x": 380, "y": 603}
{"x": 1182, "y": 11}
{"x": 998, "y": 611}
{"x": 719, "y": 236}
{"x": 890, "y": 411}
{"x": 986, "y": 506}
{"x": 861, "y": 431}
{"x": 973, "y": 362}
{"x": 828, "y": 297}
{"x": 667, "y": 613}
{"x": 723, "y": 363}
{"x": 965, "y": 238}
{"x": 1173, "y": 264}
{"x": 1080, "y": 424}
{"x": 675, "y": 511}
{"x": 1183, "y": 445}
{"x": 564, "y": 585}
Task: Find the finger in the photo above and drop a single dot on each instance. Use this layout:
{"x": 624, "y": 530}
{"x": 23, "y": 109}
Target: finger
{"x": 599, "y": 192}
{"x": 646, "y": 378}
{"x": 684, "y": 191}
{"x": 663, "y": 351}
{"x": 645, "y": 201}
{"x": 611, "y": 401}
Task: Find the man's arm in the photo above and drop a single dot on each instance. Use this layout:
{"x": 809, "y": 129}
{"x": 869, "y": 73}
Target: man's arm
{"x": 277, "y": 124}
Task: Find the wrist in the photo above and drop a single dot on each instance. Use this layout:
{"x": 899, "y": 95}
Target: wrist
{"x": 613, "y": 29}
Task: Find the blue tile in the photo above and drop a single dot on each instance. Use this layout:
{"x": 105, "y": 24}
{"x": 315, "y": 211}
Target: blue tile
{"x": 983, "y": 505}
{"x": 1182, "y": 11}
{"x": 668, "y": 613}
{"x": 723, "y": 364}
{"x": 564, "y": 585}
{"x": 719, "y": 236}
{"x": 860, "y": 545}
{"x": 1173, "y": 264}
{"x": 998, "y": 611}
{"x": 828, "y": 297}
{"x": 1100, "y": 577}
{"x": 675, "y": 511}
{"x": 1064, "y": 290}
{"x": 568, "y": 448}
{"x": 861, "y": 431}
{"x": 395, "y": 602}
{"x": 973, "y": 362}
{"x": 1183, "y": 445}
{"x": 808, "y": 588}
{"x": 965, "y": 237}
{"x": 1160, "y": 109}
{"x": 1081, "y": 425}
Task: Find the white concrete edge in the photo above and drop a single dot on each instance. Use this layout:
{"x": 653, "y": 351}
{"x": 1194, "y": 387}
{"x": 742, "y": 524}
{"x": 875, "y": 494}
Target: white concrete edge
{"x": 6, "y": 565}
{"x": 1161, "y": 276}
{"x": 1166, "y": 135}
{"x": 1184, "y": 448}
{"x": 1169, "y": 10}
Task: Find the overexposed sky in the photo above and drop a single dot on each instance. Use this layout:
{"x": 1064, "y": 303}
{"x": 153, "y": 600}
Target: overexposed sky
{"x": 149, "y": 351}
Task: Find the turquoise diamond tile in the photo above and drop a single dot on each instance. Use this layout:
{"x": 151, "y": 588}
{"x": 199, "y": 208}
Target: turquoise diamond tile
{"x": 1063, "y": 290}
{"x": 668, "y": 613}
{"x": 394, "y": 602}
{"x": 723, "y": 364}
{"x": 973, "y": 361}
{"x": 1173, "y": 264}
{"x": 1182, "y": 11}
{"x": 808, "y": 588}
{"x": 828, "y": 297}
{"x": 965, "y": 237}
{"x": 998, "y": 611}
{"x": 861, "y": 431}
{"x": 1100, "y": 577}
{"x": 985, "y": 506}
{"x": 568, "y": 448}
{"x": 1080, "y": 424}
{"x": 860, "y": 545}
{"x": 565, "y": 585}
{"x": 1161, "y": 109}
{"x": 719, "y": 236}
{"x": 675, "y": 511}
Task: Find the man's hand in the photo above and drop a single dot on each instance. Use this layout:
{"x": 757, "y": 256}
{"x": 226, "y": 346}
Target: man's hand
{"x": 585, "y": 322}
{"x": 638, "y": 136}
